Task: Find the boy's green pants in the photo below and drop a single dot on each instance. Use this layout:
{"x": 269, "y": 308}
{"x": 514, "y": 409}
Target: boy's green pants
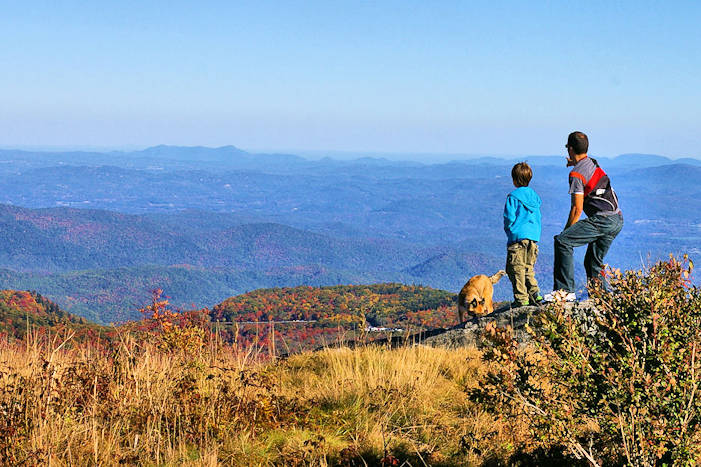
{"x": 520, "y": 262}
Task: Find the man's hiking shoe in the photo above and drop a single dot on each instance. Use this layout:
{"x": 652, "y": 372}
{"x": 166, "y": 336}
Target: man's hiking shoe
{"x": 560, "y": 296}
{"x": 537, "y": 301}
{"x": 517, "y": 304}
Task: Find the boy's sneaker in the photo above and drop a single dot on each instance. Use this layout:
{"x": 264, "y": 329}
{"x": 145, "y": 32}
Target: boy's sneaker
{"x": 560, "y": 296}
{"x": 517, "y": 304}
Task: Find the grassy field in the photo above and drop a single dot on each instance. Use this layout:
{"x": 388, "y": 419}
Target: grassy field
{"x": 128, "y": 402}
{"x": 617, "y": 384}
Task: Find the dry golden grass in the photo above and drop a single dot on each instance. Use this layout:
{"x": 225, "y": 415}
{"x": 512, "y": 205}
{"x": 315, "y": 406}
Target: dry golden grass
{"x": 409, "y": 403}
{"x": 132, "y": 403}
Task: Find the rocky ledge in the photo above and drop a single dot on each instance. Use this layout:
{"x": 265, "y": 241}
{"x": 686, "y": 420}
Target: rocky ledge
{"x": 470, "y": 332}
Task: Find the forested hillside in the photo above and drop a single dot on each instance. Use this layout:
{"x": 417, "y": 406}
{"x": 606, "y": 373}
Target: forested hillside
{"x": 103, "y": 265}
{"x": 65, "y": 239}
{"x": 22, "y": 312}
{"x": 305, "y": 317}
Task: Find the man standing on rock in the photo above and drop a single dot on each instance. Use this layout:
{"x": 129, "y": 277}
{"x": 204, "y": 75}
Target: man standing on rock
{"x": 591, "y": 192}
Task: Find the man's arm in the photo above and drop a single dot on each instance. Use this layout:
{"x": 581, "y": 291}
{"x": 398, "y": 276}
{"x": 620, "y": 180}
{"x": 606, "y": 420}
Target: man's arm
{"x": 576, "y": 209}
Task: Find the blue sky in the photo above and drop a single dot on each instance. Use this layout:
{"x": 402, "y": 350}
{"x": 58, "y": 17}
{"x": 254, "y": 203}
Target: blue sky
{"x": 505, "y": 78}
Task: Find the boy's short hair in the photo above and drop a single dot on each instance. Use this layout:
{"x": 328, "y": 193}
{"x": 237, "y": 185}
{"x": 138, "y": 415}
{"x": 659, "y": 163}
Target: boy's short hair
{"x": 521, "y": 174}
{"x": 579, "y": 142}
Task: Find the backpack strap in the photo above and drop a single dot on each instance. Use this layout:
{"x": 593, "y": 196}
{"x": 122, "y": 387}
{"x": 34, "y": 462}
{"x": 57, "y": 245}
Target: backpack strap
{"x": 593, "y": 181}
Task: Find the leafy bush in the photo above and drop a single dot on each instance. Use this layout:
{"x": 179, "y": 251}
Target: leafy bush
{"x": 185, "y": 331}
{"x": 613, "y": 381}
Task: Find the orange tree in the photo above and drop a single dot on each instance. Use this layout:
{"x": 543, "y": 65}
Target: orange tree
{"x": 613, "y": 382}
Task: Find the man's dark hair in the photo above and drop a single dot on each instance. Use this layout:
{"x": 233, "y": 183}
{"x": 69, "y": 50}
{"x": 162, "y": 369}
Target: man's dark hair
{"x": 579, "y": 142}
{"x": 521, "y": 173}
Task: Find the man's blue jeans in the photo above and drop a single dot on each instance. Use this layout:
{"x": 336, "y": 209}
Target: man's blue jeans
{"x": 596, "y": 231}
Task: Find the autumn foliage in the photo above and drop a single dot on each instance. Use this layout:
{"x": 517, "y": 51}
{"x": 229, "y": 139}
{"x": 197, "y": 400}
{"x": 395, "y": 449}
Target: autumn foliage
{"x": 303, "y": 318}
{"x": 172, "y": 330}
{"x": 23, "y": 311}
{"x": 616, "y": 383}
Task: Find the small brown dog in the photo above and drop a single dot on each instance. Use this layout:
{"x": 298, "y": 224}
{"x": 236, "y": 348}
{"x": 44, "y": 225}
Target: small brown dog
{"x": 475, "y": 298}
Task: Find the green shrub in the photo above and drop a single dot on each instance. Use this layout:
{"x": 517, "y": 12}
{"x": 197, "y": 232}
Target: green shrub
{"x": 615, "y": 380}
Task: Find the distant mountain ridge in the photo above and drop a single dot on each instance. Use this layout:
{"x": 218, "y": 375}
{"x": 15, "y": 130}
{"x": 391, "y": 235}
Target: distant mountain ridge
{"x": 192, "y": 153}
{"x": 233, "y": 158}
{"x": 62, "y": 239}
{"x": 223, "y": 154}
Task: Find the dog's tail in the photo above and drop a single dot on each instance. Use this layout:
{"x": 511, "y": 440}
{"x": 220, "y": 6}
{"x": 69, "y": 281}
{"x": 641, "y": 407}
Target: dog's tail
{"x": 495, "y": 278}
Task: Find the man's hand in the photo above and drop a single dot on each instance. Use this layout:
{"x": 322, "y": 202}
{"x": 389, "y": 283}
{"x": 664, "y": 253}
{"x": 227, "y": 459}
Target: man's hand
{"x": 575, "y": 209}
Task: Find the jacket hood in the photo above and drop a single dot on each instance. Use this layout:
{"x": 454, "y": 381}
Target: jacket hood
{"x": 527, "y": 197}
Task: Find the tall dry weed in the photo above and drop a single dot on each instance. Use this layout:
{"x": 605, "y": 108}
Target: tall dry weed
{"x": 132, "y": 402}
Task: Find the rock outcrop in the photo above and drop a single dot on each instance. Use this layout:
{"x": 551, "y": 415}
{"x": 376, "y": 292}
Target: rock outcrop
{"x": 470, "y": 332}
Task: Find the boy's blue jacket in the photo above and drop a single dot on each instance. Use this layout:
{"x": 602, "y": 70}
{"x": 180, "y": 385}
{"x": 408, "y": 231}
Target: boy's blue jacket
{"x": 522, "y": 215}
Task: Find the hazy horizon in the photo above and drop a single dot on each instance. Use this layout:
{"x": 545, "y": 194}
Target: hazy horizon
{"x": 337, "y": 154}
{"x": 394, "y": 77}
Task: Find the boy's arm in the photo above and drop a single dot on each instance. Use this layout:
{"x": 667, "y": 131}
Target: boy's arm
{"x": 509, "y": 212}
{"x": 575, "y": 209}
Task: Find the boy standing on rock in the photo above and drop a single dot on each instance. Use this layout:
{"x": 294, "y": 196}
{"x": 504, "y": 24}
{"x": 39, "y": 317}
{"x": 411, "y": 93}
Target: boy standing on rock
{"x": 522, "y": 227}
